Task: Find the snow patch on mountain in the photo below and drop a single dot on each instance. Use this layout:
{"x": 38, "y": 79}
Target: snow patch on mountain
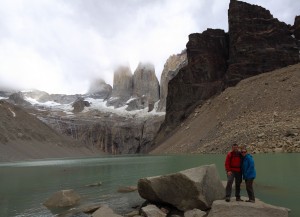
{"x": 95, "y": 105}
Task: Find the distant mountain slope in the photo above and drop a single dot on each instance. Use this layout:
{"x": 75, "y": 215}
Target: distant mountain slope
{"x": 23, "y": 136}
{"x": 262, "y": 112}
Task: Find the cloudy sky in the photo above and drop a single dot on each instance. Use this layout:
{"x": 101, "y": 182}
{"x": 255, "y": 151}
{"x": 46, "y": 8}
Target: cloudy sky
{"x": 59, "y": 46}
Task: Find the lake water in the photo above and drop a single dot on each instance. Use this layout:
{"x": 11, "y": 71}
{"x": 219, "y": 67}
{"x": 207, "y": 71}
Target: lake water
{"x": 24, "y": 186}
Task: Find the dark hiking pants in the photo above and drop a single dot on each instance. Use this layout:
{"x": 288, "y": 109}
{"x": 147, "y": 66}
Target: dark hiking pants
{"x": 249, "y": 188}
{"x": 237, "y": 176}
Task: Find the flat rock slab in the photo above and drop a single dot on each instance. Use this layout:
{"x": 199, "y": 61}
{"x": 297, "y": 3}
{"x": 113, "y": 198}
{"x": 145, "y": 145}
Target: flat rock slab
{"x": 193, "y": 188}
{"x": 221, "y": 208}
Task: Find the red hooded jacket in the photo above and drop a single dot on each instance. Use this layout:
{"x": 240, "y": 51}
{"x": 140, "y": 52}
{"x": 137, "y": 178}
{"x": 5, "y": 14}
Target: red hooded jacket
{"x": 233, "y": 162}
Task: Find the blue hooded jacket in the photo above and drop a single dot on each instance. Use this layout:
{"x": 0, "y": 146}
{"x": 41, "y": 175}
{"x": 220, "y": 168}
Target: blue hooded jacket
{"x": 248, "y": 167}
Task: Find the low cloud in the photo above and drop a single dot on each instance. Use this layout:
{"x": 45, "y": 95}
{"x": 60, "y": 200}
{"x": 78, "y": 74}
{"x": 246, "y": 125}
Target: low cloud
{"x": 61, "y": 45}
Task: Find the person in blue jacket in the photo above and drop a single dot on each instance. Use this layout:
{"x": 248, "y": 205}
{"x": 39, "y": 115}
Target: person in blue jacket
{"x": 249, "y": 174}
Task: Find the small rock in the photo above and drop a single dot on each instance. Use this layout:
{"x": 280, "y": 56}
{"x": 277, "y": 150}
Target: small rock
{"x": 132, "y": 214}
{"x": 290, "y": 133}
{"x": 94, "y": 184}
{"x": 194, "y": 213}
{"x": 153, "y": 211}
{"x": 261, "y": 135}
{"x": 126, "y": 189}
{"x": 105, "y": 211}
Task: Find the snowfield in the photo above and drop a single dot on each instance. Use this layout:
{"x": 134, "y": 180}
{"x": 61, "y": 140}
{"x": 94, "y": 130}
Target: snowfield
{"x": 96, "y": 105}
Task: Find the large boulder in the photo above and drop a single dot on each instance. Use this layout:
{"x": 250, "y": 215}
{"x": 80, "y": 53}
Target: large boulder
{"x": 221, "y": 208}
{"x": 63, "y": 198}
{"x": 193, "y": 188}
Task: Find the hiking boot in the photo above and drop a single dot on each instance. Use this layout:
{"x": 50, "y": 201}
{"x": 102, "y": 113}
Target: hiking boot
{"x": 239, "y": 199}
{"x": 227, "y": 199}
{"x": 251, "y": 201}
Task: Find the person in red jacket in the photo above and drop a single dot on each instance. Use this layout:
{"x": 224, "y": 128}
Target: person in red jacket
{"x": 233, "y": 169}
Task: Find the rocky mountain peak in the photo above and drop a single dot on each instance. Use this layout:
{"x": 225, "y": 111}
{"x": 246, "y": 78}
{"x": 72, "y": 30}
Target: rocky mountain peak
{"x": 142, "y": 87}
{"x": 173, "y": 64}
{"x": 122, "y": 81}
{"x": 145, "y": 88}
{"x": 145, "y": 82}
{"x": 100, "y": 89}
{"x": 256, "y": 43}
{"x": 122, "y": 87}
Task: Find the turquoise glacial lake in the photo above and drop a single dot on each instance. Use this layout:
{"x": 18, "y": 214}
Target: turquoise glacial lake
{"x": 24, "y": 186}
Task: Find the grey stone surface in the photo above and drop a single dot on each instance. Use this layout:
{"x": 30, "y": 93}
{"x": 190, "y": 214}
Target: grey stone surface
{"x": 99, "y": 89}
{"x": 63, "y": 198}
{"x": 18, "y": 99}
{"x": 171, "y": 68}
{"x": 105, "y": 211}
{"x": 193, "y": 188}
{"x": 145, "y": 82}
{"x": 79, "y": 105}
{"x": 221, "y": 208}
{"x": 122, "y": 87}
{"x": 152, "y": 211}
{"x": 194, "y": 213}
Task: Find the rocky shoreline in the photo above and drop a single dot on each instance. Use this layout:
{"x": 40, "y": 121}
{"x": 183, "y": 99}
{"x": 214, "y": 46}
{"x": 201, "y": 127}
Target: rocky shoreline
{"x": 195, "y": 192}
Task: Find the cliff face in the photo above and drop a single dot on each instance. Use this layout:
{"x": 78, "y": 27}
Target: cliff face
{"x": 256, "y": 43}
{"x": 145, "y": 82}
{"x": 201, "y": 78}
{"x": 137, "y": 91}
{"x": 122, "y": 87}
{"x": 296, "y": 31}
{"x": 109, "y": 133}
{"x": 171, "y": 68}
{"x": 145, "y": 88}
{"x": 262, "y": 112}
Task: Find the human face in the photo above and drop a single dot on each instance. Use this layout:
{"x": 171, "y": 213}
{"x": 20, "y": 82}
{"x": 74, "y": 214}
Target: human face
{"x": 235, "y": 148}
{"x": 244, "y": 152}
